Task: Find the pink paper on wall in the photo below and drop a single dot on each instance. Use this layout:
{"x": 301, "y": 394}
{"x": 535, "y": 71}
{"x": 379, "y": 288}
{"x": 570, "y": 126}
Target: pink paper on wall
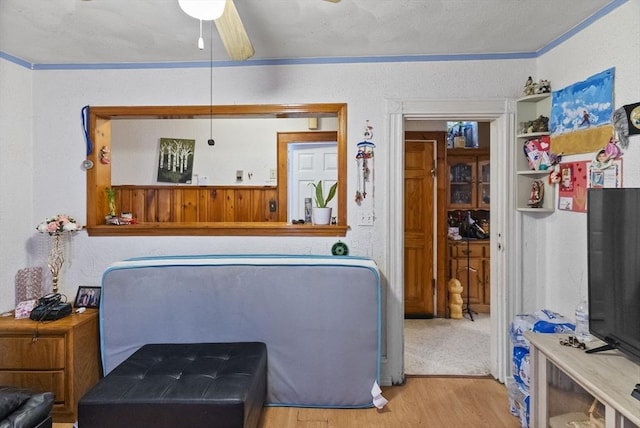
{"x": 572, "y": 189}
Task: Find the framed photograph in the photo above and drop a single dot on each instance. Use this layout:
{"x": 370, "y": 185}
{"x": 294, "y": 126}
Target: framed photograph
{"x": 87, "y": 297}
{"x": 175, "y": 164}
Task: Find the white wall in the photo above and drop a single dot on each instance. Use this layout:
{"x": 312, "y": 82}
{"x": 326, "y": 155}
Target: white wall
{"x": 51, "y": 147}
{"x": 59, "y": 145}
{"x": 613, "y": 41}
{"x": 247, "y": 144}
{"x": 16, "y": 176}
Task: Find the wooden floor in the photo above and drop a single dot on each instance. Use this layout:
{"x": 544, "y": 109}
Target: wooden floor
{"x": 435, "y": 402}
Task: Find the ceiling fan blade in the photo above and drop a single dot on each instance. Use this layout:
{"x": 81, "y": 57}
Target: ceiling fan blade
{"x": 234, "y": 37}
{"x": 333, "y": 1}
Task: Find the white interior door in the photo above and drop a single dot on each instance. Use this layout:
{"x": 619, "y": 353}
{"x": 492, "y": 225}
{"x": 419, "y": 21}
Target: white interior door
{"x": 309, "y": 163}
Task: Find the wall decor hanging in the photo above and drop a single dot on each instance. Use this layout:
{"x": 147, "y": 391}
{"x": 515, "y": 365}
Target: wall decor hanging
{"x": 574, "y": 178}
{"x": 364, "y": 160}
{"x": 633, "y": 118}
{"x": 611, "y": 176}
{"x": 84, "y": 115}
{"x": 581, "y": 114}
{"x": 626, "y": 121}
{"x": 572, "y": 188}
{"x": 175, "y": 163}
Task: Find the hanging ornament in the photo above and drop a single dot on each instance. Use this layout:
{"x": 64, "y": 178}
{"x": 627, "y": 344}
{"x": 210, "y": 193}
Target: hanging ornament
{"x": 84, "y": 114}
{"x": 364, "y": 157}
{"x": 368, "y": 131}
{"x": 105, "y": 155}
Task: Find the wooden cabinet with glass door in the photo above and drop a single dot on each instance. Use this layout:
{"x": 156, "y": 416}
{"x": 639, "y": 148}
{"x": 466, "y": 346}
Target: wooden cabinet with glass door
{"x": 484, "y": 182}
{"x": 462, "y": 179}
{"x": 469, "y": 181}
{"x": 468, "y": 193}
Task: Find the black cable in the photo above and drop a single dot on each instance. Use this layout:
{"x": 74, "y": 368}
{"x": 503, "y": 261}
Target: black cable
{"x": 211, "y": 142}
{"x": 46, "y": 308}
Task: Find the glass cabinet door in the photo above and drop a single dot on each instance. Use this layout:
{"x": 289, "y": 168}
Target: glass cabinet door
{"x": 462, "y": 187}
{"x": 484, "y": 185}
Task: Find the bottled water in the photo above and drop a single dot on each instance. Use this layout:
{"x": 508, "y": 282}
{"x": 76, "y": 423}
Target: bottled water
{"x": 582, "y": 322}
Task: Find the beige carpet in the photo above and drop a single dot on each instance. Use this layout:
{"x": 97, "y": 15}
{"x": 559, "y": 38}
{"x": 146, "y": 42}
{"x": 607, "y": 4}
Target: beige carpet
{"x": 442, "y": 346}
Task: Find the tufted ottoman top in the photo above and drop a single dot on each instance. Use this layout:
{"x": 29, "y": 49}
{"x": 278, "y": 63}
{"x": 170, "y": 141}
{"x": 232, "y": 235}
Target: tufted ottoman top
{"x": 186, "y": 383}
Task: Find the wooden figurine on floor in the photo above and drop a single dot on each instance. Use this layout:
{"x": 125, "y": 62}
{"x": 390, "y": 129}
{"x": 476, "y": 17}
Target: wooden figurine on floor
{"x": 455, "y": 298}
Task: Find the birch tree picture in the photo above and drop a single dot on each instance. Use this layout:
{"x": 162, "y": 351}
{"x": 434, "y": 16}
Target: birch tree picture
{"x": 175, "y": 163}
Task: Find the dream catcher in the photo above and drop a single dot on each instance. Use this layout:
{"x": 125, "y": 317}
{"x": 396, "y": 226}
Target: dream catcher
{"x": 364, "y": 159}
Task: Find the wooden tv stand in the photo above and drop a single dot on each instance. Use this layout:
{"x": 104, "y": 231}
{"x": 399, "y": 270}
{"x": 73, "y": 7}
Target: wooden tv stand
{"x": 566, "y": 380}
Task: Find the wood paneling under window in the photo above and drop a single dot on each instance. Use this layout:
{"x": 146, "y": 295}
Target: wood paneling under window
{"x": 161, "y": 204}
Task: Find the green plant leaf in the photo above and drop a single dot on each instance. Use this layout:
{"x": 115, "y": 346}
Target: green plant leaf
{"x": 332, "y": 192}
{"x": 320, "y": 201}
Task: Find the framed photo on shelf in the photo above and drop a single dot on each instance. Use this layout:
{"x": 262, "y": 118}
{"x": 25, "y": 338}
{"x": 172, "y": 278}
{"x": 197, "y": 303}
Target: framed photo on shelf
{"x": 87, "y": 297}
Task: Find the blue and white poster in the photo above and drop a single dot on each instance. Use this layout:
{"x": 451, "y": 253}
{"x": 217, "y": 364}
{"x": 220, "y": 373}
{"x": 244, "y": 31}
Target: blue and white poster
{"x": 581, "y": 114}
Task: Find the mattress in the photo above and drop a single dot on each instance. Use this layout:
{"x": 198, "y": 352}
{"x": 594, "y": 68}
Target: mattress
{"x": 318, "y": 315}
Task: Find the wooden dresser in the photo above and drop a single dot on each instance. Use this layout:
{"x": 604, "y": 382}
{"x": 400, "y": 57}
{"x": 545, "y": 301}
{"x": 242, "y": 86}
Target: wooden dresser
{"x": 470, "y": 263}
{"x": 59, "y": 356}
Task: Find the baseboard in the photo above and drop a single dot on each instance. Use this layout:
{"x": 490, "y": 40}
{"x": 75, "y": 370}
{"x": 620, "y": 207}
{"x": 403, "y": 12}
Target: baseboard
{"x": 418, "y": 316}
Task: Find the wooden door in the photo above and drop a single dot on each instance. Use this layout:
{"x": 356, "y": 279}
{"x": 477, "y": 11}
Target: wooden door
{"x": 310, "y": 163}
{"x": 419, "y": 197}
{"x": 486, "y": 281}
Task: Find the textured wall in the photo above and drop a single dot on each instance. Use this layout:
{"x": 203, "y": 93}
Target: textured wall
{"x": 59, "y": 145}
{"x": 613, "y": 41}
{"x": 16, "y": 225}
{"x": 51, "y": 147}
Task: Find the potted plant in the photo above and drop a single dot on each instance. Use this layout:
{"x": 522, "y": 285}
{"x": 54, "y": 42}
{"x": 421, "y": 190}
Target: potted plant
{"x": 321, "y": 214}
{"x": 111, "y": 200}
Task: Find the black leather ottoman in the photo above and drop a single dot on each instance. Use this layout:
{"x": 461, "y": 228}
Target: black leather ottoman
{"x": 181, "y": 385}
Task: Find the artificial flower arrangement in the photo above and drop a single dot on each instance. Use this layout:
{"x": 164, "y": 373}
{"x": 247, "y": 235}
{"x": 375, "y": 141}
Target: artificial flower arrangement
{"x": 58, "y": 224}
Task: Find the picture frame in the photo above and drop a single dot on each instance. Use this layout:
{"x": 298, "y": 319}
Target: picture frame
{"x": 87, "y": 297}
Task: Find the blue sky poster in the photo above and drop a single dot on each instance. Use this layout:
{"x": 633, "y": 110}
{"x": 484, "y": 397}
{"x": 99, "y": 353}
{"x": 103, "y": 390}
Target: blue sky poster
{"x": 583, "y": 105}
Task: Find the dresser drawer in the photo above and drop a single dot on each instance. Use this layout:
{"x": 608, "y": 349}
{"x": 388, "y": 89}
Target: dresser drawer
{"x": 52, "y": 381}
{"x": 475, "y": 250}
{"x": 21, "y": 352}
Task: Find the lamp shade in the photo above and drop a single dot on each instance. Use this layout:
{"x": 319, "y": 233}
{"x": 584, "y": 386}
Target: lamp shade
{"x": 205, "y": 10}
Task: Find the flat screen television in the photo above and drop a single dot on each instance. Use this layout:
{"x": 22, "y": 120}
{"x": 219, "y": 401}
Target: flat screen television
{"x": 613, "y": 227}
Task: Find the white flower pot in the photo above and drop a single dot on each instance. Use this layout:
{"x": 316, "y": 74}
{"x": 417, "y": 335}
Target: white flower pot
{"x": 321, "y": 215}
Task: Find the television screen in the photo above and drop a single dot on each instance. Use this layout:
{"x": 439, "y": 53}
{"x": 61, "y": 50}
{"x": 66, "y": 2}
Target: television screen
{"x": 613, "y": 224}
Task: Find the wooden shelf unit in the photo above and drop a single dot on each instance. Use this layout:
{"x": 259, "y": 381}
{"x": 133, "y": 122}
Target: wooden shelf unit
{"x": 529, "y": 108}
{"x": 566, "y": 380}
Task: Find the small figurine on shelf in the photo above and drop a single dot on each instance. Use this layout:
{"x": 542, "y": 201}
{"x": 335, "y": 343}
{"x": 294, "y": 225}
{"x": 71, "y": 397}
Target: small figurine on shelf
{"x": 536, "y": 197}
{"x": 544, "y": 87}
{"x": 541, "y": 124}
{"x": 105, "y": 157}
{"x": 529, "y": 87}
